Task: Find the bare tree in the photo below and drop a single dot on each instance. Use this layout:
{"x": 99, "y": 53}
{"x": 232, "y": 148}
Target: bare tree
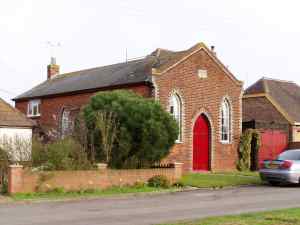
{"x": 106, "y": 123}
{"x": 18, "y": 148}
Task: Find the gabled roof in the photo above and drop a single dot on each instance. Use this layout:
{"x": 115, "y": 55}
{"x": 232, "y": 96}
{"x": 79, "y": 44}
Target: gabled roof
{"x": 113, "y": 75}
{"x": 132, "y": 72}
{"x": 11, "y": 117}
{"x": 284, "y": 95}
{"x": 170, "y": 59}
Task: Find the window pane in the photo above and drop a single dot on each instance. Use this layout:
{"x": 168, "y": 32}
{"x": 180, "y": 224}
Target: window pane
{"x": 65, "y": 123}
{"x": 225, "y": 120}
{"x": 175, "y": 110}
{"x": 34, "y": 110}
{"x": 33, "y": 107}
{"x": 29, "y": 109}
{"x": 172, "y": 110}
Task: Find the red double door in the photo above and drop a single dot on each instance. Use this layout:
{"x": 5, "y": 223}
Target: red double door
{"x": 201, "y": 142}
{"x": 273, "y": 142}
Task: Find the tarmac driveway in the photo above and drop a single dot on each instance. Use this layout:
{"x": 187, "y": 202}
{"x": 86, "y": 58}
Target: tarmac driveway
{"x": 146, "y": 210}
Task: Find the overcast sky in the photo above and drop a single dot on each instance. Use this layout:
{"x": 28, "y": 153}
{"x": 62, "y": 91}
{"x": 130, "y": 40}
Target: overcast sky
{"x": 254, "y": 38}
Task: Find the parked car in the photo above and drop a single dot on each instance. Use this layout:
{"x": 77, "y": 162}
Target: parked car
{"x": 284, "y": 170}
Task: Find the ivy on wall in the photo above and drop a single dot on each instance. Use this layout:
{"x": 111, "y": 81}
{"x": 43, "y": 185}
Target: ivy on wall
{"x": 248, "y": 150}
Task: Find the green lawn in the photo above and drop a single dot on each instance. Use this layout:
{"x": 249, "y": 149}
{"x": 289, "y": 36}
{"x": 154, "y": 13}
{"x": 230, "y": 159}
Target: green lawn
{"x": 219, "y": 180}
{"x": 280, "y": 217}
{"x": 61, "y": 194}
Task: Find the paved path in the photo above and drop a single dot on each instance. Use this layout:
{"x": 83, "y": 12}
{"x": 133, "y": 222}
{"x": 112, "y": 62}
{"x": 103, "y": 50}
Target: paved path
{"x": 145, "y": 210}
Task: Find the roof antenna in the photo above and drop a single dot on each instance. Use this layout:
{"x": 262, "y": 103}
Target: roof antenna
{"x": 53, "y": 46}
{"x": 126, "y": 55}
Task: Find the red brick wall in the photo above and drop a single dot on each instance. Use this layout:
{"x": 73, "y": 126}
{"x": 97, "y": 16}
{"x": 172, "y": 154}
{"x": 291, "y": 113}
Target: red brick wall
{"x": 260, "y": 109}
{"x": 25, "y": 180}
{"x": 51, "y": 107}
{"x": 202, "y": 95}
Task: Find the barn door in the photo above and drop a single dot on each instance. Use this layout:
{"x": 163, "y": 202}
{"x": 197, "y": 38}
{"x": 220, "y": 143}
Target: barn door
{"x": 273, "y": 142}
{"x": 201, "y": 143}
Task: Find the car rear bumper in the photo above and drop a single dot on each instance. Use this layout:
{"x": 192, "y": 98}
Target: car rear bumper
{"x": 280, "y": 176}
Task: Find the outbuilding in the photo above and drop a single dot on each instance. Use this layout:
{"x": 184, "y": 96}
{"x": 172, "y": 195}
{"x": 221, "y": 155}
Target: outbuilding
{"x": 15, "y": 132}
{"x": 273, "y": 107}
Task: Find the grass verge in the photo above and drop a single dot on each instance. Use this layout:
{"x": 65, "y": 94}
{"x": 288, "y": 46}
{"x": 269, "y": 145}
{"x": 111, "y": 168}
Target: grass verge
{"x": 278, "y": 217}
{"x": 61, "y": 194}
{"x": 219, "y": 180}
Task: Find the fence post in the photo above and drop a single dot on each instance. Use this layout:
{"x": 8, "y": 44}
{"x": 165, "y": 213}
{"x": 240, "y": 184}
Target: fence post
{"x": 15, "y": 178}
{"x": 178, "y": 170}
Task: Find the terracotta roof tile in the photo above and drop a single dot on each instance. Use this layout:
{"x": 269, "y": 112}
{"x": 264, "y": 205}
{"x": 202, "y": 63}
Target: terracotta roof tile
{"x": 285, "y": 93}
{"x": 11, "y": 117}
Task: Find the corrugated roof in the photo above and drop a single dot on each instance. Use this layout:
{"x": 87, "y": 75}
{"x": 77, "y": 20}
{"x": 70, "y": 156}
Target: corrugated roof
{"x": 285, "y": 93}
{"x": 11, "y": 117}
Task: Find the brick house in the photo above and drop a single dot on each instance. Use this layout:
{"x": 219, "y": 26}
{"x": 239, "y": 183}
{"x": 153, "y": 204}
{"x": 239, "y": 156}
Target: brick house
{"x": 273, "y": 107}
{"x": 193, "y": 85}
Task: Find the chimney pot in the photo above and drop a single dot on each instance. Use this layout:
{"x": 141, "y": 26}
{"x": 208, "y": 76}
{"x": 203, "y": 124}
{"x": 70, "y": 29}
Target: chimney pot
{"x": 53, "y": 61}
{"x": 212, "y": 48}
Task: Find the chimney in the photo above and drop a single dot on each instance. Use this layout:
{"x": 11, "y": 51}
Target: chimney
{"x": 52, "y": 69}
{"x": 212, "y": 49}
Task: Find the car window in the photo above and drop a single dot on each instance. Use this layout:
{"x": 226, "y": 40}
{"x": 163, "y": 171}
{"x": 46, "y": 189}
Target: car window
{"x": 289, "y": 155}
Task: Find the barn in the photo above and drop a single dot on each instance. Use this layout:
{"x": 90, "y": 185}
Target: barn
{"x": 15, "y": 132}
{"x": 273, "y": 107}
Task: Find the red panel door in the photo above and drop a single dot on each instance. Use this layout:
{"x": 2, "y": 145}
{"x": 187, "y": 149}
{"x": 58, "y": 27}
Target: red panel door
{"x": 201, "y": 144}
{"x": 273, "y": 142}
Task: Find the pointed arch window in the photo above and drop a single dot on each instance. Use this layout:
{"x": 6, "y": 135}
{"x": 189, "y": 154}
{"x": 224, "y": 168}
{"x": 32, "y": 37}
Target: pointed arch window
{"x": 225, "y": 121}
{"x": 176, "y": 111}
{"x": 65, "y": 123}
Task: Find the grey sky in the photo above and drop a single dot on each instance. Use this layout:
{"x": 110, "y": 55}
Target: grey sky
{"x": 254, "y": 38}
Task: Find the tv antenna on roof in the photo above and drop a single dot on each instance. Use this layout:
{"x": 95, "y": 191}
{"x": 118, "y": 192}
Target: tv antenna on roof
{"x": 53, "y": 46}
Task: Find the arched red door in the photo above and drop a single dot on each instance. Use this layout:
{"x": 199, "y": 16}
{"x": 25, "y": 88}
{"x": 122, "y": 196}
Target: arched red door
{"x": 201, "y": 136}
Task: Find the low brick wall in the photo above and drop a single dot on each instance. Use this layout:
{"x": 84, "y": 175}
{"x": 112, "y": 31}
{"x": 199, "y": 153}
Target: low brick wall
{"x": 22, "y": 180}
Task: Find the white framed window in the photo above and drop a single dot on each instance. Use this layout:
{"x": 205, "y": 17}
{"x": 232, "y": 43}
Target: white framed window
{"x": 176, "y": 111}
{"x": 65, "y": 123}
{"x": 34, "y": 108}
{"x": 225, "y": 121}
{"x": 202, "y": 73}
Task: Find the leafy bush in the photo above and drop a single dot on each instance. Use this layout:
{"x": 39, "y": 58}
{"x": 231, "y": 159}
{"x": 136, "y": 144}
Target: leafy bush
{"x": 145, "y": 131}
{"x": 159, "y": 181}
{"x": 248, "y": 149}
{"x": 38, "y": 153}
{"x": 139, "y": 184}
{"x": 64, "y": 154}
{"x": 4, "y": 163}
{"x": 179, "y": 184}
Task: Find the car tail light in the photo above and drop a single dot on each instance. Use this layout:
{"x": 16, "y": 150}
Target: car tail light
{"x": 286, "y": 164}
{"x": 262, "y": 165}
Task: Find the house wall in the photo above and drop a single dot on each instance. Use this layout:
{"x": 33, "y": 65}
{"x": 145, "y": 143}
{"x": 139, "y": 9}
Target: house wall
{"x": 51, "y": 108}
{"x": 260, "y": 109}
{"x": 265, "y": 115}
{"x": 17, "y": 141}
{"x": 202, "y": 95}
{"x": 295, "y": 130}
